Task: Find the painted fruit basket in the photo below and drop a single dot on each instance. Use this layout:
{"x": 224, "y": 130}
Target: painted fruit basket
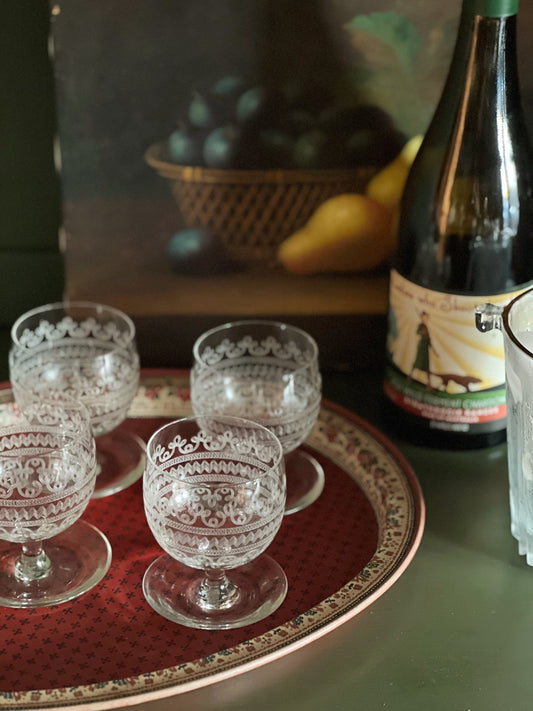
{"x": 252, "y": 211}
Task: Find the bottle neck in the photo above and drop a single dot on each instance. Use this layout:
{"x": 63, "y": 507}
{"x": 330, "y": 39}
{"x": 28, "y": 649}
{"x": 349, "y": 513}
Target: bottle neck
{"x": 485, "y": 114}
{"x": 488, "y": 59}
{"x": 486, "y": 47}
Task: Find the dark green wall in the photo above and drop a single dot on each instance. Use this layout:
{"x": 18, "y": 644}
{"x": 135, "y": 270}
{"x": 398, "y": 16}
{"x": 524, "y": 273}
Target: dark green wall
{"x": 31, "y": 266}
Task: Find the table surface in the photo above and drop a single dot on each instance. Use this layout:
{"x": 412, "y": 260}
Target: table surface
{"x": 453, "y": 634}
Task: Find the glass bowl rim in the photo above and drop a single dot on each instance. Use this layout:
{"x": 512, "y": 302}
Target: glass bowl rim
{"x": 88, "y": 305}
{"x": 279, "y": 459}
{"x": 257, "y": 322}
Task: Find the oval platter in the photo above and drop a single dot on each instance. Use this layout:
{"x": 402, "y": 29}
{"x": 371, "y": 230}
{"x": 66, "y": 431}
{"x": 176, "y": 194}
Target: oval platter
{"x": 108, "y": 649}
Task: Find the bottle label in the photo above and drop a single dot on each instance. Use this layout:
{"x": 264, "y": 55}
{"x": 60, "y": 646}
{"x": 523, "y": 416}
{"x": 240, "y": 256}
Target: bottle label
{"x": 440, "y": 367}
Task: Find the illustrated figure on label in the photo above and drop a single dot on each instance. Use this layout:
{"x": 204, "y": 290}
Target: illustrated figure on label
{"x": 421, "y": 362}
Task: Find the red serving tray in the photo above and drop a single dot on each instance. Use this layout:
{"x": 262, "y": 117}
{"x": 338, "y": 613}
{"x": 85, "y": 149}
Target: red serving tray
{"x": 110, "y": 648}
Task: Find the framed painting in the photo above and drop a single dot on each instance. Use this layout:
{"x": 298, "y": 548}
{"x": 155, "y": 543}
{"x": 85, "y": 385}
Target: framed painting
{"x": 198, "y": 138}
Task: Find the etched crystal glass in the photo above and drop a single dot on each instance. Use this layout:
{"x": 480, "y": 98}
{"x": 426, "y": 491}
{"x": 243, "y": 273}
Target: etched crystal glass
{"x": 88, "y": 352}
{"x": 47, "y": 476}
{"x": 214, "y": 497}
{"x": 267, "y": 372}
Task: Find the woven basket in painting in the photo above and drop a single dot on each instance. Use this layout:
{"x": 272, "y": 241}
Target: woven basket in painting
{"x": 252, "y": 211}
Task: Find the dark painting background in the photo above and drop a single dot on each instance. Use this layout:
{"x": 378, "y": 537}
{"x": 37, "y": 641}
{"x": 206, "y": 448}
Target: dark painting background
{"x": 126, "y": 69}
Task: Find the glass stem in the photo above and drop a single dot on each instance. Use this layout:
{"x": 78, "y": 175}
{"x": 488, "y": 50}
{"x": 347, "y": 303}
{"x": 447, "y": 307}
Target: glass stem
{"x": 33, "y": 563}
{"x": 216, "y": 591}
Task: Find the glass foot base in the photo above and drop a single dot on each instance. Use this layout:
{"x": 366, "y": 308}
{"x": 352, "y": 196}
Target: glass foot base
{"x": 121, "y": 458}
{"x": 305, "y": 480}
{"x": 174, "y": 591}
{"x": 79, "y": 557}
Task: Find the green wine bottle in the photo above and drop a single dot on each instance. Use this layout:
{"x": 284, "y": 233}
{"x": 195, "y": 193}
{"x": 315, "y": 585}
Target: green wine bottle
{"x": 465, "y": 236}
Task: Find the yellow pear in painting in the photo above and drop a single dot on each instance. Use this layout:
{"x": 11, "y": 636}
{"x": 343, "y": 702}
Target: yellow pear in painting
{"x": 352, "y": 232}
{"x": 349, "y": 232}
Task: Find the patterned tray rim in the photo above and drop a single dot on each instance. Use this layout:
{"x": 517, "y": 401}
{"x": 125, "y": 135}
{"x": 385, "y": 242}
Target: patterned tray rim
{"x": 382, "y": 573}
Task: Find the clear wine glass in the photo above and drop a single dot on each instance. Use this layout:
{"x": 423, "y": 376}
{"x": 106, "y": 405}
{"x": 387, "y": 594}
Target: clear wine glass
{"x": 268, "y": 372}
{"x": 214, "y": 497}
{"x": 86, "y": 351}
{"x": 47, "y": 476}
